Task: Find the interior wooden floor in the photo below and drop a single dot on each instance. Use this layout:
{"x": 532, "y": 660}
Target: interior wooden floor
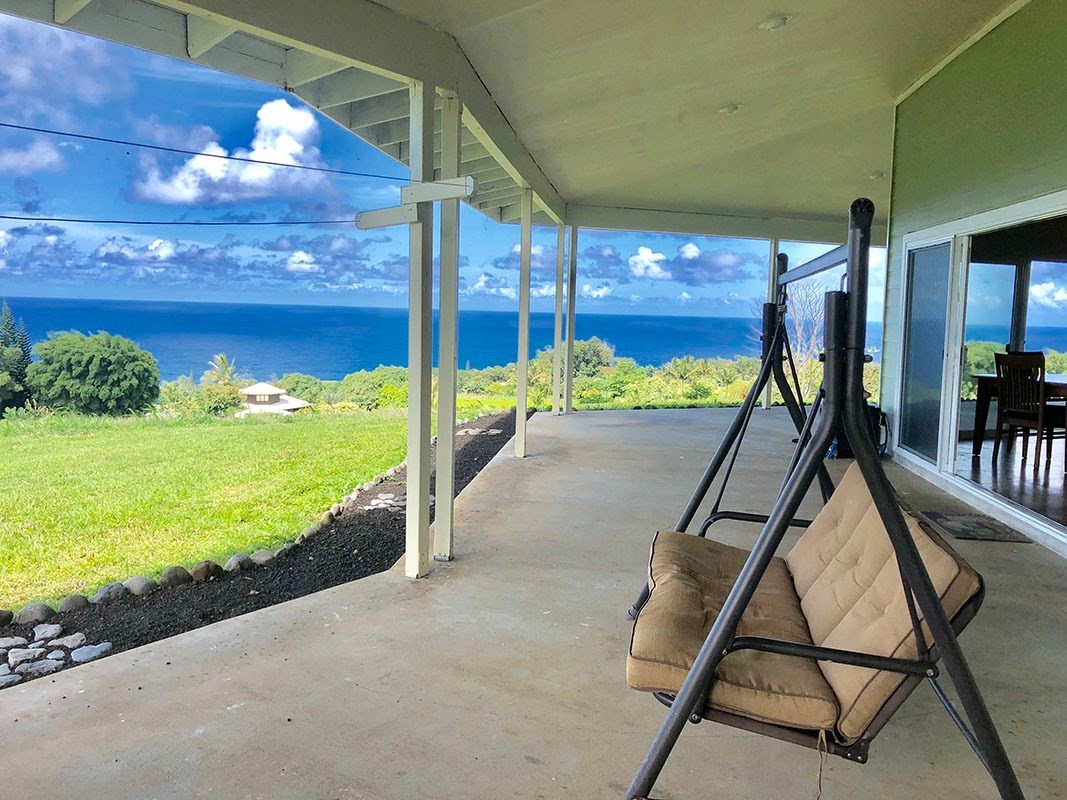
{"x": 1042, "y": 490}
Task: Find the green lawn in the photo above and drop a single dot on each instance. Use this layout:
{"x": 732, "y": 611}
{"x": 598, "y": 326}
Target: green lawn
{"x": 85, "y": 501}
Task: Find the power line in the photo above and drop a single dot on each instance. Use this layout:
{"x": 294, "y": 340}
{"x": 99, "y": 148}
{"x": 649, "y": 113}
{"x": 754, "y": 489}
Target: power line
{"x": 180, "y": 151}
{"x": 190, "y": 223}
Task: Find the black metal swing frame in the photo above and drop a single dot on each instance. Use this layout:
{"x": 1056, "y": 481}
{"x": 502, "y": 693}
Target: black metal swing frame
{"x": 843, "y": 403}
{"x": 776, "y": 353}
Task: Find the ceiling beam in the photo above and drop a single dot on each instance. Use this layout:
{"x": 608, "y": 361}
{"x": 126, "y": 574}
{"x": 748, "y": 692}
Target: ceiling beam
{"x": 302, "y": 67}
{"x": 493, "y": 177}
{"x": 496, "y": 196}
{"x": 376, "y": 110}
{"x": 477, "y": 165}
{"x": 346, "y": 87}
{"x": 392, "y": 132}
{"x": 201, "y": 34}
{"x": 64, "y": 10}
{"x": 380, "y": 40}
{"x": 734, "y": 225}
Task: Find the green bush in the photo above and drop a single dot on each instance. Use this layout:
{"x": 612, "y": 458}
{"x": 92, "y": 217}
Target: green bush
{"x": 364, "y": 388}
{"x": 98, "y": 374}
{"x": 303, "y": 387}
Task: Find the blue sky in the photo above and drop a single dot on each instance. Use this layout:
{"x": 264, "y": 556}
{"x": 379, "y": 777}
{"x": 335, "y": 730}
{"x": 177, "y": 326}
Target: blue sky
{"x": 66, "y": 81}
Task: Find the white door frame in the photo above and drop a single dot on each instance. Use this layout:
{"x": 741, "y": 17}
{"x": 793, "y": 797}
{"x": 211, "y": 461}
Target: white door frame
{"x": 943, "y": 472}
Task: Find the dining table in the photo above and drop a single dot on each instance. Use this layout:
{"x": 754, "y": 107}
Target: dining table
{"x": 1055, "y": 387}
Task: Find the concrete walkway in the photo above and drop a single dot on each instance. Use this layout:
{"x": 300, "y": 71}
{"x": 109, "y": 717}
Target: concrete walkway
{"x": 502, "y": 675}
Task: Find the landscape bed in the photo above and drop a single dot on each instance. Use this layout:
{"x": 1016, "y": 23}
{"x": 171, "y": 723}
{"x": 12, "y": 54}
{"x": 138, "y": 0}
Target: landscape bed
{"x": 91, "y": 500}
{"x": 360, "y": 542}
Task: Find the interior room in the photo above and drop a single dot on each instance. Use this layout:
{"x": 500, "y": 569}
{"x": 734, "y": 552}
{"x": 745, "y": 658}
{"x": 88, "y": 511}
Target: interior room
{"x": 1015, "y": 299}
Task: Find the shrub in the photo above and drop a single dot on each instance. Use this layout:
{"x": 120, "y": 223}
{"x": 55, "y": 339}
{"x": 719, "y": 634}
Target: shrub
{"x": 590, "y": 355}
{"x": 99, "y": 374}
{"x": 304, "y": 387}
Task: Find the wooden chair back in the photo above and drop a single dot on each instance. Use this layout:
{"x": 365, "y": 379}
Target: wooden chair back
{"x": 1020, "y": 381}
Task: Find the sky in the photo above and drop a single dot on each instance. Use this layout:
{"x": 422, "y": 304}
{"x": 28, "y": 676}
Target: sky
{"x": 68, "y": 82}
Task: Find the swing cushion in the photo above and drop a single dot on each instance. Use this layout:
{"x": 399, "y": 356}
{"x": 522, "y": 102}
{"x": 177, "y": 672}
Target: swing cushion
{"x": 846, "y": 575}
{"x": 690, "y": 577}
{"x": 838, "y": 587}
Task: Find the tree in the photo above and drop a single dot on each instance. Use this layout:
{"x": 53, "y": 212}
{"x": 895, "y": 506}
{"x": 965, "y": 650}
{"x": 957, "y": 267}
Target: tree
{"x": 223, "y": 371}
{"x": 8, "y": 331}
{"x": 304, "y": 387}
{"x": 11, "y": 389}
{"x": 17, "y": 356}
{"x": 805, "y": 321}
{"x": 98, "y": 374}
{"x": 590, "y": 356}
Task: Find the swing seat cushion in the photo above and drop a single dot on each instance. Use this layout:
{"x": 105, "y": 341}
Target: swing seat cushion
{"x": 690, "y": 577}
{"x": 846, "y": 575}
{"x": 839, "y": 587}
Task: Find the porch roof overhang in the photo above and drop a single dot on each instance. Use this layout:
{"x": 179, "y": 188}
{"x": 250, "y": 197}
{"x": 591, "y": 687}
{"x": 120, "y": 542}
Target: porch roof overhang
{"x": 584, "y": 103}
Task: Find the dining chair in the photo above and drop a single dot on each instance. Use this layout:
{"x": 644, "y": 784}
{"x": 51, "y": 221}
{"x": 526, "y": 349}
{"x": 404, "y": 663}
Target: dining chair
{"x": 1021, "y": 402}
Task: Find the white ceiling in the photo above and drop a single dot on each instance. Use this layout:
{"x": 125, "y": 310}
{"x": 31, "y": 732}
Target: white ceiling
{"x": 606, "y": 108}
{"x": 618, "y": 102}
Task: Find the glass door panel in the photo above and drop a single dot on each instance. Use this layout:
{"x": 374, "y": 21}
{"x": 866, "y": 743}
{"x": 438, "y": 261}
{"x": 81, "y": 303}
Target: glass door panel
{"x": 925, "y": 325}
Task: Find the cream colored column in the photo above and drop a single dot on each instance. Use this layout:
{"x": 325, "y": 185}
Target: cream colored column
{"x": 447, "y": 340}
{"x": 557, "y": 340}
{"x": 572, "y": 296}
{"x": 522, "y": 365}
{"x": 420, "y": 373}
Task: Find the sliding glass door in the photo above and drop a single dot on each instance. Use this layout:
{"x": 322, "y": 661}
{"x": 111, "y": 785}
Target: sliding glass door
{"x": 926, "y": 321}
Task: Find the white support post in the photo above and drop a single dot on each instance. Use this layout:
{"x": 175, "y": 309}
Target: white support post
{"x": 772, "y": 295}
{"x": 522, "y": 365}
{"x": 572, "y": 296}
{"x": 420, "y": 374}
{"x": 557, "y": 341}
{"x": 444, "y": 516}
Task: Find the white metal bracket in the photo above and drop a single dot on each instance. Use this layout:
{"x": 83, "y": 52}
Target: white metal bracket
{"x": 429, "y": 192}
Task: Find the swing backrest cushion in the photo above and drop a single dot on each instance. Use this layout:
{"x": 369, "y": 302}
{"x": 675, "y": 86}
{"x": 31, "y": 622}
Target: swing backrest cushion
{"x": 845, "y": 573}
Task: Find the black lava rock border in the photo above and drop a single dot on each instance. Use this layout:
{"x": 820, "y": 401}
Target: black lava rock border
{"x": 350, "y": 541}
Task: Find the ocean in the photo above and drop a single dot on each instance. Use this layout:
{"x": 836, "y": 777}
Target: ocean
{"x": 329, "y": 342}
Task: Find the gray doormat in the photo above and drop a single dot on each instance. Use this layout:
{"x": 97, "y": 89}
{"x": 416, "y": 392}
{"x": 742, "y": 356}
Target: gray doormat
{"x": 972, "y": 526}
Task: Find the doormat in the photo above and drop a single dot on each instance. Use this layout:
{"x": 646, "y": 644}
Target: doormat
{"x": 972, "y": 526}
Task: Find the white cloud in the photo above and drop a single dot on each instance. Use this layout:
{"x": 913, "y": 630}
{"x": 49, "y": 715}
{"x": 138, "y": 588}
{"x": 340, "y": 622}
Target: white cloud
{"x": 283, "y": 134}
{"x": 599, "y": 293}
{"x": 48, "y": 72}
{"x": 491, "y": 285}
{"x": 685, "y": 297}
{"x": 300, "y": 261}
{"x": 689, "y": 250}
{"x": 1049, "y": 295}
{"x": 648, "y": 264}
{"x": 38, "y": 156}
{"x": 544, "y": 290}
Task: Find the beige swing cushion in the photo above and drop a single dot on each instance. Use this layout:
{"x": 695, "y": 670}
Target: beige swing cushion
{"x": 838, "y": 587}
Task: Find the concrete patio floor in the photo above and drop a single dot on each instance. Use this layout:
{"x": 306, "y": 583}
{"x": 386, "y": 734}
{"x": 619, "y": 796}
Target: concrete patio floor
{"x": 502, "y": 674}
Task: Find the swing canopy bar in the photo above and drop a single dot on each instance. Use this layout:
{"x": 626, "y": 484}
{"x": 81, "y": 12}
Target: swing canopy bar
{"x": 835, "y": 258}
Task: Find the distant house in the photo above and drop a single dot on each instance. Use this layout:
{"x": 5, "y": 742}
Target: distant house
{"x": 262, "y": 398}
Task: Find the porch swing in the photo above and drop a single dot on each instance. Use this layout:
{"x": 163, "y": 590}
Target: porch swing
{"x": 776, "y": 353}
{"x": 822, "y": 646}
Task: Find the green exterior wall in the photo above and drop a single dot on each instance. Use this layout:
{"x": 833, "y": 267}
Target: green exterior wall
{"x": 987, "y": 131}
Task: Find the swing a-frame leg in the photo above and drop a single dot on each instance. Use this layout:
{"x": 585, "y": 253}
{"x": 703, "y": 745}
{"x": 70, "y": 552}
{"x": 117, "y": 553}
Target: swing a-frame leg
{"x": 775, "y": 354}
{"x": 843, "y": 403}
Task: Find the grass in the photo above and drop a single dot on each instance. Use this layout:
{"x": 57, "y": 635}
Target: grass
{"x": 86, "y": 501}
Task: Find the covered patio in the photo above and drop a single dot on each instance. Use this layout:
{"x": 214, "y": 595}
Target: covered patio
{"x": 502, "y": 673}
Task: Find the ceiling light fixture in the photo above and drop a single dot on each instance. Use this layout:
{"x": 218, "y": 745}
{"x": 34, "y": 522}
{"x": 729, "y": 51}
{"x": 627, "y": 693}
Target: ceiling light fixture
{"x": 775, "y": 23}
{"x": 731, "y": 109}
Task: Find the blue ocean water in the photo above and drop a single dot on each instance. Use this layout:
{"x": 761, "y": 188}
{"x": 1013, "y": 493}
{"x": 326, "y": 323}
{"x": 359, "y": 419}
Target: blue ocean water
{"x": 331, "y": 341}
